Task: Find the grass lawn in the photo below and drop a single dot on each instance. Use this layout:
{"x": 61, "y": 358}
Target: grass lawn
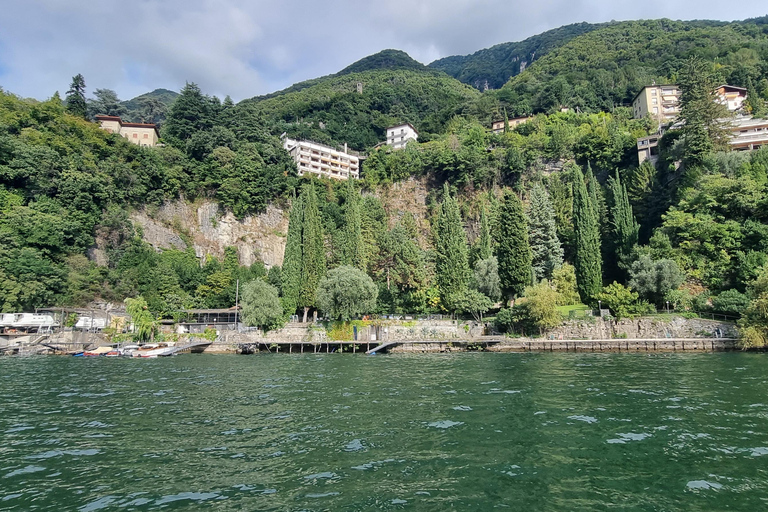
{"x": 578, "y": 310}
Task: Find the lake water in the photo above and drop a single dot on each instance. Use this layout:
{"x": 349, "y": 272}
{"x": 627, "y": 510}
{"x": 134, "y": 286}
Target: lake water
{"x": 342, "y": 432}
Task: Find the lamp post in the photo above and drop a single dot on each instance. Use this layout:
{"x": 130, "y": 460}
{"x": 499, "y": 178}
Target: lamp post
{"x": 667, "y": 307}
{"x": 600, "y": 308}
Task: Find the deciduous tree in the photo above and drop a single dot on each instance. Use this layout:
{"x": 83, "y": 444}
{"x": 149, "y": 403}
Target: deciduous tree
{"x": 346, "y": 292}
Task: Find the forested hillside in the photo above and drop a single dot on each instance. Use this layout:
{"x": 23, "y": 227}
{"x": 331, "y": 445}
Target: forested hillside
{"x": 395, "y": 89}
{"x": 492, "y": 67}
{"x": 606, "y": 67}
{"x": 555, "y": 212}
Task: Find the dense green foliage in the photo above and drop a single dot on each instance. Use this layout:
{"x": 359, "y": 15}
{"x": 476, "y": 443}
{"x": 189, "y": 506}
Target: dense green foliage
{"x": 345, "y": 293}
{"x": 330, "y": 110}
{"x": 588, "y": 261}
{"x": 624, "y": 229}
{"x": 513, "y": 249}
{"x": 492, "y": 67}
{"x": 606, "y": 67}
{"x": 542, "y": 233}
{"x": 76, "y": 103}
{"x": 451, "y": 251}
{"x": 260, "y": 305}
{"x": 691, "y": 231}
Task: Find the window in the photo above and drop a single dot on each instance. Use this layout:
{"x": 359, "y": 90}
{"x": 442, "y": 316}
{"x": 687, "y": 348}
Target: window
{"x": 135, "y": 135}
{"x": 146, "y": 135}
{"x": 655, "y": 110}
{"x": 655, "y": 101}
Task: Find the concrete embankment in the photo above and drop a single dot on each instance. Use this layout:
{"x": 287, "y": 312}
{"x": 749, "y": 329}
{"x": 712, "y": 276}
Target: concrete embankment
{"x": 667, "y": 333}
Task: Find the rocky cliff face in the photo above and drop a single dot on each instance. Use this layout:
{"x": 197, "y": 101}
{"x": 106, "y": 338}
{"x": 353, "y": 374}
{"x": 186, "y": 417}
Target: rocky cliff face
{"x": 203, "y": 226}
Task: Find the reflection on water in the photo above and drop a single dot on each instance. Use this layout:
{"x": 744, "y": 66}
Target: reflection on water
{"x": 422, "y": 432}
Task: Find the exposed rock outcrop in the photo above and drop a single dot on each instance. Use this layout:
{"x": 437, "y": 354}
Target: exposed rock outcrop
{"x": 202, "y": 225}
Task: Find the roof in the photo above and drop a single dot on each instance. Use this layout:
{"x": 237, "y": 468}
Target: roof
{"x": 403, "y": 124}
{"x": 108, "y": 118}
{"x": 731, "y": 87}
{"x": 652, "y": 85}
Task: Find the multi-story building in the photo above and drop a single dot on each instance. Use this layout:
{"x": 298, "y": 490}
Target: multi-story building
{"x": 498, "y": 126}
{"x": 648, "y": 149}
{"x": 746, "y": 133}
{"x": 731, "y": 96}
{"x": 661, "y": 102}
{"x": 311, "y": 157}
{"x": 398, "y": 136}
{"x": 143, "y": 134}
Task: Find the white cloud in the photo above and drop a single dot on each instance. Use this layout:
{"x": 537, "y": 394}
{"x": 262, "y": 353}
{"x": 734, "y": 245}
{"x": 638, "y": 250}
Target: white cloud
{"x": 244, "y": 48}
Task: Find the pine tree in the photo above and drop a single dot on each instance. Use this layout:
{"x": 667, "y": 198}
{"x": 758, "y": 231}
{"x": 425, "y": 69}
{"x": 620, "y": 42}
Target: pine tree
{"x": 190, "y": 113}
{"x": 542, "y": 234}
{"x": 587, "y": 233}
{"x": 353, "y": 252}
{"x": 513, "y": 249}
{"x": 703, "y": 130}
{"x": 624, "y": 227}
{"x": 754, "y": 104}
{"x": 76, "y": 104}
{"x": 451, "y": 262}
{"x": 291, "y": 271}
{"x": 313, "y": 251}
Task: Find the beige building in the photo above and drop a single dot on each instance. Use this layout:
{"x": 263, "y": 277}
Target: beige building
{"x": 325, "y": 161}
{"x": 398, "y": 136}
{"x": 138, "y": 133}
{"x": 661, "y": 102}
{"x": 498, "y": 126}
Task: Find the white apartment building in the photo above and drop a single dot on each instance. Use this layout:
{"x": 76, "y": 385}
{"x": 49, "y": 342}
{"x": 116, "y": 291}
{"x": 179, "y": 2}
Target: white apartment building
{"x": 746, "y": 134}
{"x": 138, "y": 133}
{"x": 398, "y": 136}
{"x": 325, "y": 161}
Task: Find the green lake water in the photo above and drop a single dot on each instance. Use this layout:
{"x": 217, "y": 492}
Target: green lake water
{"x": 527, "y": 432}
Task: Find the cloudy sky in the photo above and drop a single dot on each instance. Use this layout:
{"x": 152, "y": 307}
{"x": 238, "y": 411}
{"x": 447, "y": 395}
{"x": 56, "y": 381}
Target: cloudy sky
{"x": 248, "y": 47}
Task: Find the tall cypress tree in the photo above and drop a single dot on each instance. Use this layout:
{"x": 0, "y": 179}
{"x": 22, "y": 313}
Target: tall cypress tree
{"x": 291, "y": 271}
{"x": 542, "y": 233}
{"x": 588, "y": 261}
{"x": 483, "y": 248}
{"x": 353, "y": 252}
{"x": 451, "y": 262}
{"x": 624, "y": 227}
{"x": 313, "y": 250}
{"x": 76, "y": 104}
{"x": 513, "y": 249}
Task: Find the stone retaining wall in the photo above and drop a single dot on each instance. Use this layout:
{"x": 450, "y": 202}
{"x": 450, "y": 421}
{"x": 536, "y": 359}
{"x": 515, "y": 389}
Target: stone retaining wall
{"x": 642, "y": 328}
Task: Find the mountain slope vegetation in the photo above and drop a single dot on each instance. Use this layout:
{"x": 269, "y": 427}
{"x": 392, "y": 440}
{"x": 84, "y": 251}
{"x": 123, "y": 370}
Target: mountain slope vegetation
{"x": 492, "y": 67}
{"x": 331, "y": 110}
{"x": 606, "y": 67}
